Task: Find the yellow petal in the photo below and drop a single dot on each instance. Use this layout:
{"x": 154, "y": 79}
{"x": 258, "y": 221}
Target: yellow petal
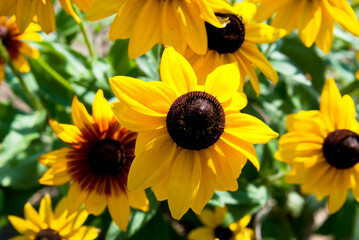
{"x": 249, "y": 128}
{"x": 59, "y": 155}
{"x": 151, "y": 15}
{"x": 177, "y": 72}
{"x": 25, "y": 11}
{"x": 76, "y": 196}
{"x": 326, "y": 32}
{"x": 119, "y": 209}
{"x": 67, "y": 6}
{"x": 82, "y": 119}
{"x": 46, "y": 16}
{"x": 287, "y": 16}
{"x": 208, "y": 218}
{"x": 207, "y": 185}
{"x": 101, "y": 111}
{"x": 45, "y": 210}
{"x": 21, "y": 64}
{"x": 31, "y": 215}
{"x": 251, "y": 52}
{"x": 201, "y": 233}
{"x": 246, "y": 68}
{"x": 96, "y": 200}
{"x": 146, "y": 169}
{"x": 27, "y": 50}
{"x": 309, "y": 23}
{"x": 104, "y": 8}
{"x": 66, "y": 132}
{"x": 7, "y": 8}
{"x": 22, "y": 225}
{"x": 223, "y": 82}
{"x": 149, "y": 98}
{"x": 246, "y": 10}
{"x": 267, "y": 8}
{"x": 138, "y": 199}
{"x": 184, "y": 182}
{"x": 85, "y": 233}
{"x": 84, "y": 5}
{"x": 263, "y": 33}
{"x": 57, "y": 175}
{"x": 339, "y": 191}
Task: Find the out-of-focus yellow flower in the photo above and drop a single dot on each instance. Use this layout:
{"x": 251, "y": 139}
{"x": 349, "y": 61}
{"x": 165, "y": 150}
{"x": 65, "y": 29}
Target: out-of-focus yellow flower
{"x": 15, "y": 45}
{"x": 322, "y": 148}
{"x": 174, "y": 23}
{"x": 48, "y": 224}
{"x": 25, "y": 10}
{"x": 237, "y": 42}
{"x": 192, "y": 139}
{"x": 357, "y": 58}
{"x": 213, "y": 228}
{"x": 97, "y": 163}
{"x": 314, "y": 19}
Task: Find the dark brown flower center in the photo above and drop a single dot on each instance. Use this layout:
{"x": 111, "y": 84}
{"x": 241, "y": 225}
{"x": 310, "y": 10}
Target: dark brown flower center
{"x": 48, "y": 234}
{"x": 341, "y": 149}
{"x": 228, "y": 39}
{"x": 195, "y": 120}
{"x": 105, "y": 157}
{"x": 223, "y": 233}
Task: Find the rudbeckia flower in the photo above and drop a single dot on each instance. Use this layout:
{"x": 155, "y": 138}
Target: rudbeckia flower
{"x": 313, "y": 19}
{"x": 174, "y": 23}
{"x": 49, "y": 224}
{"x": 97, "y": 163}
{"x": 322, "y": 148}
{"x": 25, "y": 10}
{"x": 14, "y": 43}
{"x": 192, "y": 139}
{"x": 214, "y": 228}
{"x": 236, "y": 42}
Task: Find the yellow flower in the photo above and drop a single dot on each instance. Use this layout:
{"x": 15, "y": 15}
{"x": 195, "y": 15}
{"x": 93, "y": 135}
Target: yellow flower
{"x": 192, "y": 139}
{"x": 25, "y": 10}
{"x": 47, "y": 224}
{"x": 214, "y": 229}
{"x": 314, "y": 19}
{"x": 236, "y": 42}
{"x": 322, "y": 148}
{"x": 174, "y": 23}
{"x": 17, "y": 49}
{"x": 97, "y": 164}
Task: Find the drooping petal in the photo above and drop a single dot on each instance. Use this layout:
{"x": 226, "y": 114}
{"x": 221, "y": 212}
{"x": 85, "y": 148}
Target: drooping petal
{"x": 46, "y": 16}
{"x": 25, "y": 11}
{"x": 184, "y": 182}
{"x": 339, "y": 191}
{"x": 67, "y": 6}
{"x": 146, "y": 169}
{"x": 138, "y": 199}
{"x": 326, "y": 32}
{"x": 76, "y": 196}
{"x": 267, "y": 8}
{"x": 103, "y": 8}
{"x": 96, "y": 200}
{"x": 120, "y": 213}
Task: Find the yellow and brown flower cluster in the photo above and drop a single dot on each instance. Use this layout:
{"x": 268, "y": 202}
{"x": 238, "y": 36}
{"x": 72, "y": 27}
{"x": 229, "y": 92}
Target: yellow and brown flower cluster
{"x": 186, "y": 136}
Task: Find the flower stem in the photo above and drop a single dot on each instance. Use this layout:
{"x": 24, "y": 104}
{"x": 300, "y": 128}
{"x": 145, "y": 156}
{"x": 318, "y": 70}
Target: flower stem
{"x": 84, "y": 33}
{"x": 35, "y": 102}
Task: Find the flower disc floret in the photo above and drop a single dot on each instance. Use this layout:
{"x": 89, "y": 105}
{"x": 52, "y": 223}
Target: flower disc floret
{"x": 105, "y": 157}
{"x": 48, "y": 234}
{"x": 228, "y": 39}
{"x": 195, "y": 120}
{"x": 341, "y": 148}
{"x": 223, "y": 233}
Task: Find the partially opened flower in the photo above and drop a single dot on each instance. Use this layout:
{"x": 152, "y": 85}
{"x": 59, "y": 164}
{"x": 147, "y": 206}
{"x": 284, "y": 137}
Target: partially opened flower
{"x": 25, "y": 10}
{"x": 237, "y": 42}
{"x": 97, "y": 163}
{"x": 48, "y": 224}
{"x": 214, "y": 228}
{"x": 174, "y": 23}
{"x": 313, "y": 19}
{"x": 15, "y": 45}
{"x": 322, "y": 148}
{"x": 192, "y": 139}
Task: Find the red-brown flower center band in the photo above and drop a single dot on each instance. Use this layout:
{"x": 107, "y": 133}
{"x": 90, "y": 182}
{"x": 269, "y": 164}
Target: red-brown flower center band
{"x": 341, "y": 148}
{"x": 48, "y": 234}
{"x": 223, "y": 233}
{"x": 196, "y": 120}
{"x": 11, "y": 45}
{"x": 228, "y": 39}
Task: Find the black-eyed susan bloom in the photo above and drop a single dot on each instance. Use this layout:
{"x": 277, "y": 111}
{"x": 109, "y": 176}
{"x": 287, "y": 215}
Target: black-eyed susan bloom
{"x": 314, "y": 19}
{"x": 174, "y": 23}
{"x": 97, "y": 163}
{"x": 15, "y": 45}
{"x": 214, "y": 228}
{"x": 47, "y": 224}
{"x": 25, "y": 10}
{"x": 192, "y": 139}
{"x": 322, "y": 148}
{"x": 237, "y": 42}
